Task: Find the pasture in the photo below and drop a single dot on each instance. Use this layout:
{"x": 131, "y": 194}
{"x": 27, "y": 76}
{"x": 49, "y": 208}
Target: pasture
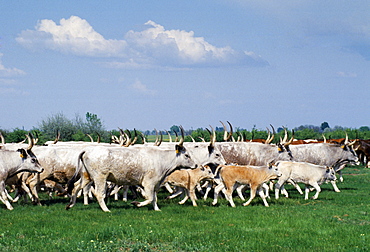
{"x": 333, "y": 222}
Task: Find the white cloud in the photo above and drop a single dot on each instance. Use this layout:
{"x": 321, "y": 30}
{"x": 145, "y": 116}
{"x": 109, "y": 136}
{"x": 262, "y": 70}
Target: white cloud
{"x": 140, "y": 87}
{"x": 9, "y": 72}
{"x": 346, "y": 74}
{"x": 153, "y": 46}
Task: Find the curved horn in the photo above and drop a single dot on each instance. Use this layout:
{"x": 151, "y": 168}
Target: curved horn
{"x": 160, "y": 139}
{"x": 225, "y": 131}
{"x": 156, "y": 137}
{"x": 128, "y": 139}
{"x": 57, "y": 137}
{"x": 323, "y": 136}
{"x": 91, "y": 139}
{"x": 135, "y": 137}
{"x": 143, "y": 137}
{"x": 99, "y": 137}
{"x": 231, "y": 131}
{"x": 346, "y": 140}
{"x": 268, "y": 136}
{"x": 285, "y": 135}
{"x": 192, "y": 139}
{"x": 177, "y": 137}
{"x": 212, "y": 136}
{"x": 169, "y": 136}
{"x": 181, "y": 143}
{"x": 202, "y": 139}
{"x": 30, "y": 141}
{"x": 291, "y": 139}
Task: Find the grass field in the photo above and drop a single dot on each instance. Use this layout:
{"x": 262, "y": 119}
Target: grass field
{"x": 333, "y": 222}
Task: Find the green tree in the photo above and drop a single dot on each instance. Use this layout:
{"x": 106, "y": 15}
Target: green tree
{"x": 324, "y": 125}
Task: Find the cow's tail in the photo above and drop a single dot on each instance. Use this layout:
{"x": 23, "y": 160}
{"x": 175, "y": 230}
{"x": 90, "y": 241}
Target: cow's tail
{"x": 76, "y": 175}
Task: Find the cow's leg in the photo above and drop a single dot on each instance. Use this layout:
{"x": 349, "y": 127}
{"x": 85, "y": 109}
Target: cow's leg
{"x": 278, "y": 185}
{"x": 100, "y": 191}
{"x": 125, "y": 192}
{"x": 296, "y": 186}
{"x": 262, "y": 195}
{"x": 186, "y": 196}
{"x": 168, "y": 187}
{"x": 150, "y": 195}
{"x": 217, "y": 190}
{"x": 335, "y": 187}
{"x": 178, "y": 191}
{"x": 4, "y": 197}
{"x": 208, "y": 189}
{"x": 78, "y": 186}
{"x": 193, "y": 196}
{"x": 229, "y": 194}
{"x": 318, "y": 190}
{"x": 253, "y": 191}
{"x": 266, "y": 190}
{"x": 239, "y": 190}
{"x": 87, "y": 192}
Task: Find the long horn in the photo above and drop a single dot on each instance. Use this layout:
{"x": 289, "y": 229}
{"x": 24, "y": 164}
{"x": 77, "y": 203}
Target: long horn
{"x": 291, "y": 139}
{"x": 346, "y": 140}
{"x": 268, "y": 136}
{"x": 192, "y": 139}
{"x": 177, "y": 137}
{"x": 30, "y": 141}
{"x": 91, "y": 139}
{"x": 231, "y": 131}
{"x": 285, "y": 135}
{"x": 323, "y": 136}
{"x": 57, "y": 137}
{"x": 160, "y": 140}
{"x": 273, "y": 133}
{"x": 169, "y": 136}
{"x": 181, "y": 143}
{"x": 156, "y": 137}
{"x": 135, "y": 137}
{"x": 99, "y": 137}
{"x": 212, "y": 136}
{"x": 225, "y": 131}
{"x": 202, "y": 139}
{"x": 143, "y": 137}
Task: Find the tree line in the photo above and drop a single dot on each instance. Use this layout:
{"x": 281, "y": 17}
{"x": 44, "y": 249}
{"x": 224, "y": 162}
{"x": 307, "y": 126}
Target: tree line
{"x": 79, "y": 129}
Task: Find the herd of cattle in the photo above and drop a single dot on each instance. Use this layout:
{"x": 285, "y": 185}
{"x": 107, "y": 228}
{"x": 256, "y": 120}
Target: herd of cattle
{"x": 72, "y": 168}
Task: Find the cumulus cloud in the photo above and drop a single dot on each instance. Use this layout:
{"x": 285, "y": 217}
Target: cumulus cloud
{"x": 150, "y": 47}
{"x": 9, "y": 72}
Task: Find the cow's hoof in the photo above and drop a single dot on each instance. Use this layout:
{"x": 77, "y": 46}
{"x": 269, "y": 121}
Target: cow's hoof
{"x": 135, "y": 203}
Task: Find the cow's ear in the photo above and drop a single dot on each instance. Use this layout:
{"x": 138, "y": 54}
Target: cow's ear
{"x": 23, "y": 153}
{"x": 210, "y": 149}
{"x": 179, "y": 148}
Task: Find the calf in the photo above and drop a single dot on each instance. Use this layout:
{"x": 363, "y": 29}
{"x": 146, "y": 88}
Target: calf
{"x": 254, "y": 176}
{"x": 189, "y": 179}
{"x": 302, "y": 172}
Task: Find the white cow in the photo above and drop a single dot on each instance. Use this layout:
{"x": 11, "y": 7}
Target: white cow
{"x": 146, "y": 167}
{"x": 303, "y": 172}
{"x": 13, "y": 162}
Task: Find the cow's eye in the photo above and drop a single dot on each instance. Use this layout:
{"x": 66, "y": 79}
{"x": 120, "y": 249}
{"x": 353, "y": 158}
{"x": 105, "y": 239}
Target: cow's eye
{"x": 187, "y": 156}
{"x": 33, "y": 160}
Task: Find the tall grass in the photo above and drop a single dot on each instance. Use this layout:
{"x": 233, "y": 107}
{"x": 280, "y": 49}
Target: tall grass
{"x": 333, "y": 222}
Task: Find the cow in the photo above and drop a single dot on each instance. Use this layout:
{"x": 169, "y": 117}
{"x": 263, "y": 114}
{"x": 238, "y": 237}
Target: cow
{"x": 13, "y": 162}
{"x": 251, "y": 153}
{"x": 188, "y": 179}
{"x": 363, "y": 147}
{"x": 146, "y": 167}
{"x": 332, "y": 155}
{"x": 253, "y": 176}
{"x": 303, "y": 172}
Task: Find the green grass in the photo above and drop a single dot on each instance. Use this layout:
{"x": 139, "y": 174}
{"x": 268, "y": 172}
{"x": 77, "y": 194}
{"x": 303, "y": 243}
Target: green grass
{"x": 333, "y": 222}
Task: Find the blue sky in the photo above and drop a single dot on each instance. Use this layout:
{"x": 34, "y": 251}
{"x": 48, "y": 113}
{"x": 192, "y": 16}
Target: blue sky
{"x": 154, "y": 64}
